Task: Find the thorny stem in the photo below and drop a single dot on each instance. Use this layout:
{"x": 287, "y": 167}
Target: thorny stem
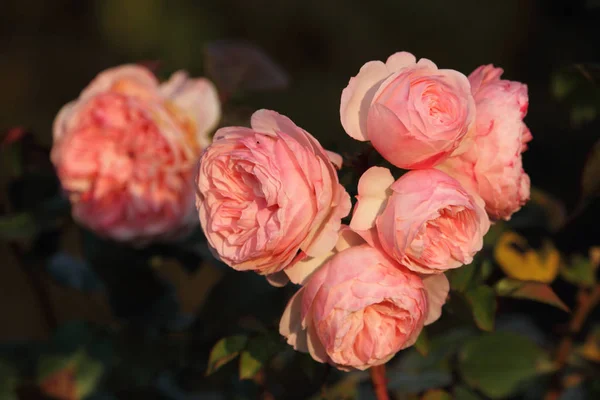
{"x": 587, "y": 300}
{"x": 379, "y": 381}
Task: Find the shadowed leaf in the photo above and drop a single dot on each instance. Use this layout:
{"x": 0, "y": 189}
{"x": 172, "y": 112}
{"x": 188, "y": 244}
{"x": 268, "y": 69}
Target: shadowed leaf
{"x": 422, "y": 343}
{"x": 486, "y": 365}
{"x": 535, "y": 291}
{"x": 224, "y": 351}
{"x": 482, "y": 301}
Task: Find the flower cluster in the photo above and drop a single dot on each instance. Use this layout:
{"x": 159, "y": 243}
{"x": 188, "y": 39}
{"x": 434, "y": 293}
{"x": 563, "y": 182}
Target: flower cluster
{"x": 270, "y": 201}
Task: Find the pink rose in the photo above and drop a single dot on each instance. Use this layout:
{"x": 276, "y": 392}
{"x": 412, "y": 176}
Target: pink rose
{"x": 414, "y": 114}
{"x": 492, "y": 166}
{"x": 267, "y": 192}
{"x": 360, "y": 308}
{"x": 425, "y": 220}
{"x": 125, "y": 151}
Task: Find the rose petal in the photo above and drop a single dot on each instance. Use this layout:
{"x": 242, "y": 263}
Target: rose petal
{"x": 437, "y": 288}
{"x": 399, "y": 60}
{"x": 301, "y": 271}
{"x": 410, "y": 153}
{"x": 348, "y": 238}
{"x": 199, "y": 99}
{"x": 335, "y": 159}
{"x": 138, "y": 80}
{"x": 375, "y": 182}
{"x": 357, "y": 97}
{"x": 63, "y": 120}
{"x": 315, "y": 347}
{"x": 290, "y": 324}
{"x": 373, "y": 191}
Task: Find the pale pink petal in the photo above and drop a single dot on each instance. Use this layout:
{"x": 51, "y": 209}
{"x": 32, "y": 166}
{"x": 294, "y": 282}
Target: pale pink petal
{"x": 400, "y": 60}
{"x": 335, "y": 159}
{"x": 270, "y": 122}
{"x": 63, "y": 120}
{"x": 357, "y": 97}
{"x": 300, "y": 271}
{"x": 315, "y": 347}
{"x": 198, "y": 99}
{"x": 290, "y": 324}
{"x": 437, "y": 288}
{"x": 326, "y": 239}
{"x": 394, "y": 141}
{"x": 348, "y": 238}
{"x": 375, "y": 182}
{"x": 370, "y": 236}
{"x": 373, "y": 191}
{"x": 134, "y": 79}
{"x": 366, "y": 211}
{"x": 482, "y": 75}
{"x": 424, "y": 62}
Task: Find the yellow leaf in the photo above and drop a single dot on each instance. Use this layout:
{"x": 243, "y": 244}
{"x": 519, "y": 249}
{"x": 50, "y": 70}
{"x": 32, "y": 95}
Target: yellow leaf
{"x": 519, "y": 261}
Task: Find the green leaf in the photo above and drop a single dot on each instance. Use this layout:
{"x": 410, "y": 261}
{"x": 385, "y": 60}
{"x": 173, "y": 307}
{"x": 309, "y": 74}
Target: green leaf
{"x": 485, "y": 269}
{"x": 422, "y": 343}
{"x": 436, "y": 394}
{"x": 482, "y": 301}
{"x": 536, "y": 291}
{"x": 497, "y": 363}
{"x": 224, "y": 351}
{"x": 463, "y": 393}
{"x": 249, "y": 365}
{"x": 580, "y": 271}
{"x": 492, "y": 236}
{"x": 590, "y": 178}
{"x": 461, "y": 278}
{"x": 415, "y": 373}
{"x": 405, "y": 382}
{"x": 258, "y": 351}
{"x": 17, "y": 226}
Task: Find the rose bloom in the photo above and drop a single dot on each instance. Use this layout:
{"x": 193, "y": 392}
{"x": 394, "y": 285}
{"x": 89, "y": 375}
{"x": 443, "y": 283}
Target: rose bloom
{"x": 492, "y": 166}
{"x": 425, "y": 220}
{"x": 267, "y": 192}
{"x": 414, "y": 114}
{"x": 125, "y": 151}
{"x": 360, "y": 308}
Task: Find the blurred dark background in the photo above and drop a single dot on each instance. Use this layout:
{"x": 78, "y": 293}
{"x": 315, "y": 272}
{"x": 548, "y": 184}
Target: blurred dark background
{"x": 50, "y": 50}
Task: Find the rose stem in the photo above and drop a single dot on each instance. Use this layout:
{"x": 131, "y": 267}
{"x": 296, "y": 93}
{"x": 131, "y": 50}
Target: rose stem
{"x": 379, "y": 381}
{"x": 587, "y": 300}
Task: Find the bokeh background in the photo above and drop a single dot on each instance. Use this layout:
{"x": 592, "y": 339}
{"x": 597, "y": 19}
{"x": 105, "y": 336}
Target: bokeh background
{"x": 50, "y": 50}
